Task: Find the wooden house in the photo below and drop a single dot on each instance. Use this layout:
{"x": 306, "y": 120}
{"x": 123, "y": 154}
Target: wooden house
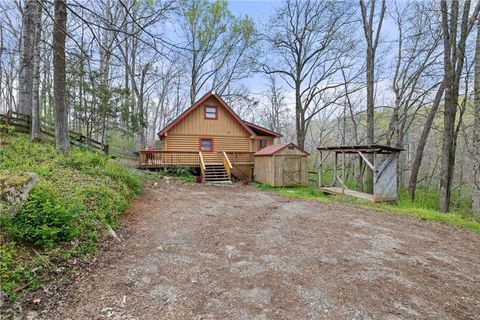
{"x": 211, "y": 136}
{"x": 281, "y": 165}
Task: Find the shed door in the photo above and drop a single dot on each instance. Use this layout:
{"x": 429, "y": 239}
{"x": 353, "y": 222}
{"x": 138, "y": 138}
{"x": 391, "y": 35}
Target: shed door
{"x": 292, "y": 171}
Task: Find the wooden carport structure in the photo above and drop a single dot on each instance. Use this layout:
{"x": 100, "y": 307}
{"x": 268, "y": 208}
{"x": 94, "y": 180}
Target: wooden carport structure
{"x": 384, "y": 172}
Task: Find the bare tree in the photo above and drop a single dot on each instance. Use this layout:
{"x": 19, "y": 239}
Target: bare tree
{"x": 217, "y": 45}
{"x": 307, "y": 40}
{"x": 372, "y": 37}
{"x": 35, "y": 130}
{"x": 416, "y": 64}
{"x": 275, "y": 108}
{"x": 412, "y": 184}
{"x": 476, "y": 133}
{"x": 456, "y": 24}
{"x": 25, "y": 81}
{"x": 62, "y": 139}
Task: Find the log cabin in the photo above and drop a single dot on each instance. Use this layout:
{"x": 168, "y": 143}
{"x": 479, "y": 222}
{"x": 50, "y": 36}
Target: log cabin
{"x": 209, "y": 136}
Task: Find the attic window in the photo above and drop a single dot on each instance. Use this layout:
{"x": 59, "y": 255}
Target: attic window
{"x": 291, "y": 147}
{"x": 206, "y": 144}
{"x": 211, "y": 112}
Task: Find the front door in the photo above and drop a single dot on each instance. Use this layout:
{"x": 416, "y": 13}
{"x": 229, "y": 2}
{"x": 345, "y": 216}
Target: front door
{"x": 292, "y": 171}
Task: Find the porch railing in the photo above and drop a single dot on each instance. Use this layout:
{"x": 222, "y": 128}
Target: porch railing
{"x": 227, "y": 165}
{"x": 240, "y": 157}
{"x": 161, "y": 159}
{"x": 158, "y": 159}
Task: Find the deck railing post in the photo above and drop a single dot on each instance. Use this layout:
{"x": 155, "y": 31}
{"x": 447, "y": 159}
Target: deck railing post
{"x": 335, "y": 170}
{"x": 320, "y": 171}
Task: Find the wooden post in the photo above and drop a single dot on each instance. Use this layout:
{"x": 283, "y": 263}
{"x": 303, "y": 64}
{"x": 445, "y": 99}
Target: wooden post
{"x": 320, "y": 171}
{"x": 360, "y": 172}
{"x": 374, "y": 175}
{"x": 343, "y": 173}
{"x": 335, "y": 170}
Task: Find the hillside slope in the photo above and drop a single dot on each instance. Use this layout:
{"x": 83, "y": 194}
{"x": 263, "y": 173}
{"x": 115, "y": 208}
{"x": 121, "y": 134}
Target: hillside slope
{"x": 77, "y": 200}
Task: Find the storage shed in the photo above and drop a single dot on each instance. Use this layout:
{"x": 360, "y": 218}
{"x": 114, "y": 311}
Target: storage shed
{"x": 281, "y": 165}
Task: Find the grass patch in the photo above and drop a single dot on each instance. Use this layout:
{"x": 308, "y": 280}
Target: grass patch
{"x": 67, "y": 212}
{"x": 419, "y": 209}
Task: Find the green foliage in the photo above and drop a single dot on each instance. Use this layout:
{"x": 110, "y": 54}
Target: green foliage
{"x": 305, "y": 193}
{"x": 15, "y": 269}
{"x": 44, "y": 220}
{"x": 78, "y": 194}
{"x": 6, "y": 129}
{"x": 404, "y": 207}
{"x": 179, "y": 172}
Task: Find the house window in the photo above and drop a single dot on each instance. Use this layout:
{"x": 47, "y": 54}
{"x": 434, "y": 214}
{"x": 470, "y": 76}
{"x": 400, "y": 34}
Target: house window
{"x": 206, "y": 144}
{"x": 262, "y": 143}
{"x": 211, "y": 112}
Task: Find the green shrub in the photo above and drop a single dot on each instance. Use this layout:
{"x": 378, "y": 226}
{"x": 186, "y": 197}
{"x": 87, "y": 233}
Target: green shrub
{"x": 84, "y": 160}
{"x": 6, "y": 129}
{"x": 43, "y": 220}
{"x": 15, "y": 270}
{"x": 179, "y": 172}
{"x": 67, "y": 211}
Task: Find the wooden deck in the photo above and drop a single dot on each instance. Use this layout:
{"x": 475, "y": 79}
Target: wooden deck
{"x": 356, "y": 194}
{"x": 191, "y": 159}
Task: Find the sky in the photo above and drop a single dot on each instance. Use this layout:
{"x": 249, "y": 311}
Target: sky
{"x": 260, "y": 10}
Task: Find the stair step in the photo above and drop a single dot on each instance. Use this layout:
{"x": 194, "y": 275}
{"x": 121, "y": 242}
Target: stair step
{"x": 220, "y": 183}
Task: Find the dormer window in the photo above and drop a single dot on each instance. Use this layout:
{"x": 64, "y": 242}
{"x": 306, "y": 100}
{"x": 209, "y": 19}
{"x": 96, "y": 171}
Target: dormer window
{"x": 211, "y": 113}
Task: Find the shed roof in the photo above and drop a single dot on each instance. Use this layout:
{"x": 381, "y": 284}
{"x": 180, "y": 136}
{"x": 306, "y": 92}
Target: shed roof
{"x": 369, "y": 148}
{"x": 274, "y": 148}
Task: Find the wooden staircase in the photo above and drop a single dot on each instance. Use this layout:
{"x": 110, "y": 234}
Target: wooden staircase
{"x": 216, "y": 173}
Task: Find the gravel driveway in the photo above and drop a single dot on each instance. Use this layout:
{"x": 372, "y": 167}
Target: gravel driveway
{"x": 204, "y": 252}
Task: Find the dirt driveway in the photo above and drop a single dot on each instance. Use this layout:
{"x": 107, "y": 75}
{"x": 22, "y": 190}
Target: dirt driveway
{"x": 204, "y": 252}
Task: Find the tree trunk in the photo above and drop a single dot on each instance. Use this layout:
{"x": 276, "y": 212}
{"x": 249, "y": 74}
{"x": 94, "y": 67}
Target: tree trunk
{"x": 454, "y": 57}
{"x": 372, "y": 38}
{"x": 412, "y": 184}
{"x": 35, "y": 132}
{"x": 25, "y": 80}
{"x": 476, "y": 134}
{"x": 299, "y": 117}
{"x": 62, "y": 140}
{"x": 370, "y": 96}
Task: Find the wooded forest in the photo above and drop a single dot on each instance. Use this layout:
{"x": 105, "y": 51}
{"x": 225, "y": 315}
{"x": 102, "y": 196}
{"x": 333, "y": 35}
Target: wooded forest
{"x": 400, "y": 73}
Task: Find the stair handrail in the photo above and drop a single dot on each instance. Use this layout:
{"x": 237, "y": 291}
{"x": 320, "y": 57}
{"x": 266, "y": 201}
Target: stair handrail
{"x": 227, "y": 165}
{"x": 202, "y": 164}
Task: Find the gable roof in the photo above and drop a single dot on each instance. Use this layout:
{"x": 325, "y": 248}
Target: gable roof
{"x": 262, "y": 130}
{"x": 274, "y": 148}
{"x": 198, "y": 104}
